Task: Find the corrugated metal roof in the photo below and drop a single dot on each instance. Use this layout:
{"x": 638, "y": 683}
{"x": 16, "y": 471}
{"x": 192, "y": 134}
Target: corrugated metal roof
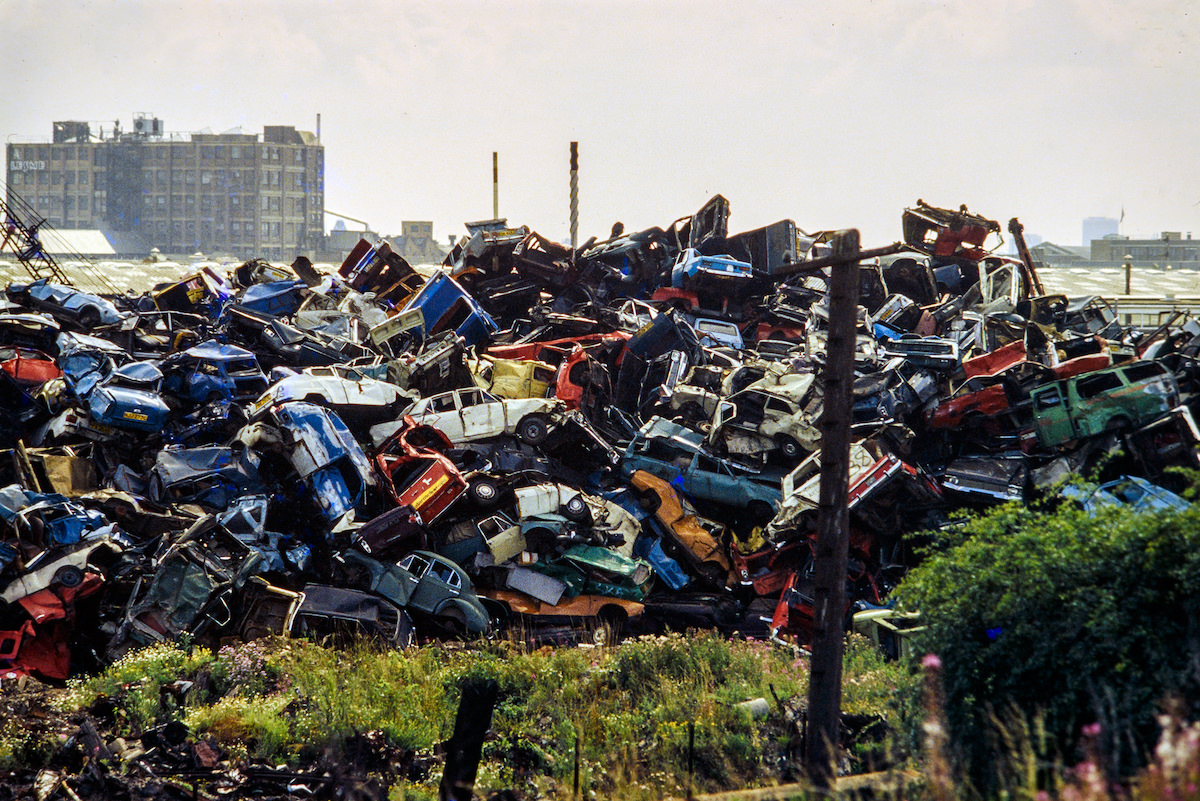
{"x": 60, "y": 242}
{"x": 71, "y": 241}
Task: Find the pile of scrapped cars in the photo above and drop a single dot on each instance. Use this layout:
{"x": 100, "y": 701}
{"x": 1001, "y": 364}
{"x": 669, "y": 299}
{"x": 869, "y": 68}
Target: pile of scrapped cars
{"x": 558, "y": 443}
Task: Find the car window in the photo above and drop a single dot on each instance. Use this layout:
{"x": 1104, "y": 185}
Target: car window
{"x": 1093, "y": 385}
{"x": 1048, "y": 399}
{"x": 442, "y": 403}
{"x": 470, "y": 397}
{"x": 445, "y": 573}
{"x": 415, "y": 564}
{"x": 1143, "y": 371}
{"x": 778, "y": 405}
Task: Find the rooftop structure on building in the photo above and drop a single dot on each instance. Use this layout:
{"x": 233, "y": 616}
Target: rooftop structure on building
{"x": 247, "y": 195}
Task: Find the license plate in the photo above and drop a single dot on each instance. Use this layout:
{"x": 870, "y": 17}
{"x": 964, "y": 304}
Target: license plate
{"x": 141, "y": 418}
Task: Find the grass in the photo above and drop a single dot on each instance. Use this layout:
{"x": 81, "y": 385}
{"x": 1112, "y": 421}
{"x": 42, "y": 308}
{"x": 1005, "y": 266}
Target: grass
{"x": 631, "y": 707}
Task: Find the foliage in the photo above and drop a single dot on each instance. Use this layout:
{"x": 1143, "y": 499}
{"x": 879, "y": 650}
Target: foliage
{"x": 629, "y": 706}
{"x": 1059, "y": 619}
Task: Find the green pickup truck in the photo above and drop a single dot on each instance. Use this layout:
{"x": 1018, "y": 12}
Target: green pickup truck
{"x": 1103, "y": 400}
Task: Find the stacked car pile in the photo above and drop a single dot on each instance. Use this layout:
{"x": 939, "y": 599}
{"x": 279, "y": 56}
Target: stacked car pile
{"x": 620, "y": 435}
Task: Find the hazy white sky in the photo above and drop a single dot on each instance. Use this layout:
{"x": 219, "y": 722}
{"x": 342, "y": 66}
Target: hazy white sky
{"x": 831, "y": 114}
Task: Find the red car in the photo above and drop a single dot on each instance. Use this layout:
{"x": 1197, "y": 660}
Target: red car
{"x": 981, "y": 403}
{"x": 570, "y": 355}
{"x": 28, "y": 367}
{"x": 416, "y": 472}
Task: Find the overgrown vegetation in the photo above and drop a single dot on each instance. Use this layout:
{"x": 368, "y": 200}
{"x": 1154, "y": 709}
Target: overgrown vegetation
{"x": 1052, "y": 622}
{"x": 630, "y": 706}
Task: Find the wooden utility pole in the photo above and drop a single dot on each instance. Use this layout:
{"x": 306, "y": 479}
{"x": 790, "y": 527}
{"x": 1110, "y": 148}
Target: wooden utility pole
{"x": 825, "y": 680}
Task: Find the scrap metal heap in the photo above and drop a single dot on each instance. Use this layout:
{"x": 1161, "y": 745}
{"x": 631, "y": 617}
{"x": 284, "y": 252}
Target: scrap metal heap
{"x": 618, "y": 437}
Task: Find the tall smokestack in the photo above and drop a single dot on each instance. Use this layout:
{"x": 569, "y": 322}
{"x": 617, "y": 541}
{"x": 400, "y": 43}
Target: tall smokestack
{"x": 318, "y": 127}
{"x": 495, "y": 185}
{"x": 574, "y": 194}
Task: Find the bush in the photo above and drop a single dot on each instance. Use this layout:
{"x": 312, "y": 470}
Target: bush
{"x": 1061, "y": 619}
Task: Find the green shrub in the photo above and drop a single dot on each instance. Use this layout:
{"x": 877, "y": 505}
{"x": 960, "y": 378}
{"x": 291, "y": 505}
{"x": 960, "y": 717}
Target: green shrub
{"x": 1062, "y": 619}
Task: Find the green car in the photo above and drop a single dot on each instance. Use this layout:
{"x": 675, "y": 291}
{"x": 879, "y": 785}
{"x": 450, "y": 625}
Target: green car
{"x": 1115, "y": 399}
{"x": 423, "y": 582}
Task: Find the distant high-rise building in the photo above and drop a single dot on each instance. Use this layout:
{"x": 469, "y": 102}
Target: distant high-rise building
{"x": 1098, "y": 228}
{"x": 233, "y": 193}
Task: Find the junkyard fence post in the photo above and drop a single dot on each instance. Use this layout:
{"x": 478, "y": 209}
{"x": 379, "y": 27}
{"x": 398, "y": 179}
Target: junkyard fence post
{"x": 691, "y": 787}
{"x": 825, "y": 684}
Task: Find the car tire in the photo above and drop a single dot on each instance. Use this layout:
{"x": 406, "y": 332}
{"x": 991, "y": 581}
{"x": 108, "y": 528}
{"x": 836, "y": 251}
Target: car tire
{"x": 609, "y": 623}
{"x": 788, "y": 447}
{"x": 68, "y": 576}
{"x": 533, "y": 429}
{"x": 485, "y": 491}
{"x": 576, "y": 510}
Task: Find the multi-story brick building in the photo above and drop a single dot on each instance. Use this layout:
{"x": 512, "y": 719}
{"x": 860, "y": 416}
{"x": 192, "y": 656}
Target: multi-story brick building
{"x": 241, "y": 194}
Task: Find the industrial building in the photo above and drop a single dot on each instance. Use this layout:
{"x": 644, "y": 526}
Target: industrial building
{"x": 245, "y": 195}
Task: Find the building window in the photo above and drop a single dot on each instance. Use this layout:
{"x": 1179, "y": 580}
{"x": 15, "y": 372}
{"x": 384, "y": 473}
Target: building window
{"x": 266, "y": 230}
{"x": 205, "y": 177}
{"x": 83, "y": 203}
{"x": 83, "y": 178}
{"x": 55, "y": 177}
{"x": 235, "y": 151}
{"x": 16, "y": 154}
{"x": 17, "y": 178}
{"x": 190, "y": 178}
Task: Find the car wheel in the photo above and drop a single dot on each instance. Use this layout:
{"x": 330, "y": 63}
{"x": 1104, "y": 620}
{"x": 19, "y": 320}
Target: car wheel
{"x": 649, "y": 500}
{"x": 576, "y": 509}
{"x": 68, "y": 576}
{"x": 789, "y": 447}
{"x": 533, "y": 429}
{"x": 89, "y": 317}
{"x": 485, "y": 491}
{"x": 607, "y": 631}
{"x": 454, "y": 622}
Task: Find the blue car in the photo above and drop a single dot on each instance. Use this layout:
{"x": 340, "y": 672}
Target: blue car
{"x": 445, "y": 306}
{"x": 65, "y": 303}
{"x": 213, "y": 371}
{"x": 128, "y": 397}
{"x": 676, "y": 454}
{"x": 277, "y": 298}
{"x": 1130, "y": 491}
{"x": 321, "y": 450}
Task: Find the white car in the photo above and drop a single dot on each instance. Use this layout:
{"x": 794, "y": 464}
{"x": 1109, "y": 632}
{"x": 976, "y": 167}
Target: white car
{"x": 465, "y": 415}
{"x": 340, "y": 388}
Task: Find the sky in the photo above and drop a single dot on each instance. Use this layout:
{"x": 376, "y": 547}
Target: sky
{"x": 834, "y": 115}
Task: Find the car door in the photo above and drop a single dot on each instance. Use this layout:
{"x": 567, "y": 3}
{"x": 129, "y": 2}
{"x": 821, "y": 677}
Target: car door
{"x": 437, "y": 583}
{"x": 441, "y": 412}
{"x": 1052, "y": 419}
{"x": 482, "y": 414}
